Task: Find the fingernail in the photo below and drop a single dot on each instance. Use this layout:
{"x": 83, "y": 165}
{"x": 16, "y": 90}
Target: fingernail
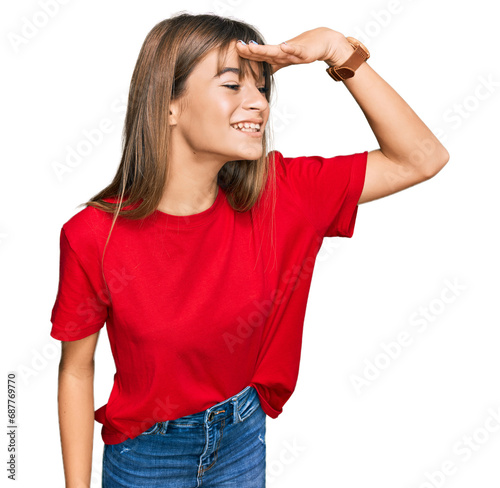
{"x": 253, "y": 42}
{"x": 243, "y": 42}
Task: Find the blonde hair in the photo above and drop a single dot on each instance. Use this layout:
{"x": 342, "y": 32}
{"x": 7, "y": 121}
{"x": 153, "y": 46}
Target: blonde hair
{"x": 168, "y": 55}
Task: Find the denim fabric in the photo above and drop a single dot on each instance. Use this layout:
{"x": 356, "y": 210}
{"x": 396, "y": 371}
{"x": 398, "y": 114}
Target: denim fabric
{"x": 223, "y": 446}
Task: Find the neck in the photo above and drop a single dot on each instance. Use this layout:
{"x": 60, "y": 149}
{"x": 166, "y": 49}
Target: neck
{"x": 191, "y": 186}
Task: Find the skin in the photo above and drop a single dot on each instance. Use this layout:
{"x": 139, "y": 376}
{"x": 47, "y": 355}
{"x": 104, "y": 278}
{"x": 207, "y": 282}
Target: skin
{"x": 75, "y": 400}
{"x": 203, "y": 140}
{"x": 409, "y": 152}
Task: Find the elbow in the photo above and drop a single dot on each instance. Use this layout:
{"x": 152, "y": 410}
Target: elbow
{"x": 436, "y": 165}
{"x": 81, "y": 371}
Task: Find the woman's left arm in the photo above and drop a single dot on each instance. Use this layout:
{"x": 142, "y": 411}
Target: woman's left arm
{"x": 409, "y": 152}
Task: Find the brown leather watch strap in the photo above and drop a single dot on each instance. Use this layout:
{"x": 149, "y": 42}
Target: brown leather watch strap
{"x": 340, "y": 73}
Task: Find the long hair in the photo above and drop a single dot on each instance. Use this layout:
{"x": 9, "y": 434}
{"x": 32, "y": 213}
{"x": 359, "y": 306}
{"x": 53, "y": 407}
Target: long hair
{"x": 170, "y": 52}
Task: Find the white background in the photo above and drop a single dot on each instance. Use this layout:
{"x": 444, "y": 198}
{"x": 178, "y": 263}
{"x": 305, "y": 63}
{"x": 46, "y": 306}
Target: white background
{"x": 420, "y": 406}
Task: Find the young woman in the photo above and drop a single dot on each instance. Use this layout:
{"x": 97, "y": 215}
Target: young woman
{"x": 199, "y": 255}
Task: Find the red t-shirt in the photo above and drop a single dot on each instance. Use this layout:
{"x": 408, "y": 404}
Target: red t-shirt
{"x": 206, "y": 304}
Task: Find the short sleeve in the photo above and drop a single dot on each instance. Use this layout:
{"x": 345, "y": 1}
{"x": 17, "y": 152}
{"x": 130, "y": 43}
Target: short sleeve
{"x": 327, "y": 189}
{"x": 79, "y": 310}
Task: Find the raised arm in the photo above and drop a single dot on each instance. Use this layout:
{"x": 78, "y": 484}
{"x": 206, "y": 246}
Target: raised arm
{"x": 76, "y": 409}
{"x": 409, "y": 152}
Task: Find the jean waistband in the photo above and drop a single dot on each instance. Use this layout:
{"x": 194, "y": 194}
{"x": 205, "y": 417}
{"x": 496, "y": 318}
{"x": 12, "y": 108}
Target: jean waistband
{"x": 236, "y": 408}
{"x": 233, "y": 410}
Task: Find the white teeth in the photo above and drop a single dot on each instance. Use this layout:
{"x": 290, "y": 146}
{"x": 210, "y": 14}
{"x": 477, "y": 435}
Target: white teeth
{"x": 247, "y": 127}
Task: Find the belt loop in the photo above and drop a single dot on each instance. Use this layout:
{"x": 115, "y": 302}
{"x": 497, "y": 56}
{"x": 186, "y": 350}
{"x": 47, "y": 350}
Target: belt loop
{"x": 237, "y": 403}
{"x": 164, "y": 427}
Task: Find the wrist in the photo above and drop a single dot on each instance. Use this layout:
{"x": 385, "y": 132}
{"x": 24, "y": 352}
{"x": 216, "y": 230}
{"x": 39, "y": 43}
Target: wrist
{"x": 343, "y": 52}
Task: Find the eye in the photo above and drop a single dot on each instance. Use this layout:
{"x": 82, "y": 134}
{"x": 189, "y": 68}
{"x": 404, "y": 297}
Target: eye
{"x": 262, "y": 89}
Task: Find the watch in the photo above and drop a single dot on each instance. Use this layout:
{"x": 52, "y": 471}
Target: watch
{"x": 360, "y": 54}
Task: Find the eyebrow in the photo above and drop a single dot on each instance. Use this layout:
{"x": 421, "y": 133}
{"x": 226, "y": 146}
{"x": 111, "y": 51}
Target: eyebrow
{"x": 225, "y": 70}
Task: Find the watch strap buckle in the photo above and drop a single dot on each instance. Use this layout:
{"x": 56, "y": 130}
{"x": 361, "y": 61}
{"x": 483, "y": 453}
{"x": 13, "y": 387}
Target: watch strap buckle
{"x": 339, "y": 73}
{"x": 347, "y": 70}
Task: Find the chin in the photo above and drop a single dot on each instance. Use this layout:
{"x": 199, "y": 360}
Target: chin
{"x": 250, "y": 155}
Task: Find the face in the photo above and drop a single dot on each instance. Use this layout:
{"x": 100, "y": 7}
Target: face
{"x": 203, "y": 122}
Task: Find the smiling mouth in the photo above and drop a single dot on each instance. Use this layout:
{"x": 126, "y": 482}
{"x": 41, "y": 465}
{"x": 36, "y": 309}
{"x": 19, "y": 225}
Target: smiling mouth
{"x": 246, "y": 127}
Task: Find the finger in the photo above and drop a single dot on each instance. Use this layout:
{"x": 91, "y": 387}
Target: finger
{"x": 292, "y": 49}
{"x": 268, "y": 53}
{"x": 258, "y": 48}
{"x": 260, "y": 56}
{"x": 255, "y": 57}
{"x": 272, "y": 54}
{"x": 246, "y": 51}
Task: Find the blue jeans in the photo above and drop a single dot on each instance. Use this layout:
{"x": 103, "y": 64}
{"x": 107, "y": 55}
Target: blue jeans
{"x": 223, "y": 446}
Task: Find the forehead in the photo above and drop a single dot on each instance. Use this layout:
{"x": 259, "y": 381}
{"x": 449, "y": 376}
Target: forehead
{"x": 220, "y": 61}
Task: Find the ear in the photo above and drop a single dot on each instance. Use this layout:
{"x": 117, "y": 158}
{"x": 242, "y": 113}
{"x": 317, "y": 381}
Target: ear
{"x": 174, "y": 112}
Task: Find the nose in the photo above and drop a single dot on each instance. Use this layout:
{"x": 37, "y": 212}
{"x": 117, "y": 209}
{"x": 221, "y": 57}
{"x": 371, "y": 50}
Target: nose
{"x": 254, "y": 98}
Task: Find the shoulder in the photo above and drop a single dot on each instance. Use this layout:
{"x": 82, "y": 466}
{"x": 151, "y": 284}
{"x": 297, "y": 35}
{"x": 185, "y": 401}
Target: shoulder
{"x": 294, "y": 166}
{"x": 281, "y": 165}
{"x": 88, "y": 219}
{"x": 92, "y": 222}
{"x": 300, "y": 169}
{"x": 87, "y": 231}
{"x": 276, "y": 158}
{"x": 292, "y": 170}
